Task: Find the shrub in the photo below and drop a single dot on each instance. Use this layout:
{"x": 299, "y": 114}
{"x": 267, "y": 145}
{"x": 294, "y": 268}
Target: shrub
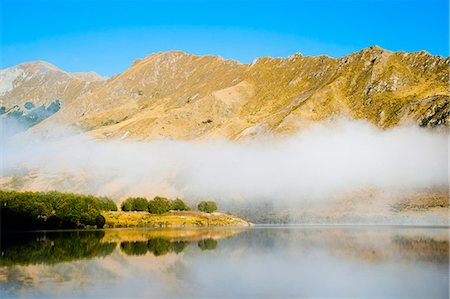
{"x": 159, "y": 205}
{"x": 180, "y": 205}
{"x": 207, "y": 206}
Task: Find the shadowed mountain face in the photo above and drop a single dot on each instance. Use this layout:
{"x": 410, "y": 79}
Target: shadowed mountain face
{"x": 19, "y": 119}
{"x": 174, "y": 94}
{"x": 33, "y": 91}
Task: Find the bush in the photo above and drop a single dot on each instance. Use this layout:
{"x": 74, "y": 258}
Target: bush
{"x": 135, "y": 204}
{"x": 159, "y": 205}
{"x": 207, "y": 206}
{"x": 179, "y": 205}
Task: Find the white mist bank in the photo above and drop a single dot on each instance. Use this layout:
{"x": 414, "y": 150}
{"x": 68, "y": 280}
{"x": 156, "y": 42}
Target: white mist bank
{"x": 314, "y": 164}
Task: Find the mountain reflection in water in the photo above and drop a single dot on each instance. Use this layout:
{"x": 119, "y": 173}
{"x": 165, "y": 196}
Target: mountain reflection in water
{"x": 252, "y": 262}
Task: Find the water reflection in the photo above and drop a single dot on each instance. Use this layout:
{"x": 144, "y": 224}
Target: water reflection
{"x": 134, "y": 248}
{"x": 64, "y": 246}
{"x": 208, "y": 244}
{"x": 156, "y": 246}
{"x": 256, "y": 262}
{"x": 52, "y": 248}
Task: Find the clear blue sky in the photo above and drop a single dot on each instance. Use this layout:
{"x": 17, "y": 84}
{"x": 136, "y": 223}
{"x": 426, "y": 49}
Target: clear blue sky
{"x": 107, "y": 35}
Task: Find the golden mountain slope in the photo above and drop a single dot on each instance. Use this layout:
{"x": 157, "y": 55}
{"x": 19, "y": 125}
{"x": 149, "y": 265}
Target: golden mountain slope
{"x": 174, "y": 94}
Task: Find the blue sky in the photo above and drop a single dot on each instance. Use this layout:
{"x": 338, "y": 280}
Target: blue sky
{"x": 107, "y": 35}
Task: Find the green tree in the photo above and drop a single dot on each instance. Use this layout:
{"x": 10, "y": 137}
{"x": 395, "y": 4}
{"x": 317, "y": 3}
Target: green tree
{"x": 135, "y": 204}
{"x": 106, "y": 204}
{"x": 159, "y": 205}
{"x": 140, "y": 204}
{"x": 207, "y": 206}
{"x": 179, "y": 205}
{"x": 126, "y": 206}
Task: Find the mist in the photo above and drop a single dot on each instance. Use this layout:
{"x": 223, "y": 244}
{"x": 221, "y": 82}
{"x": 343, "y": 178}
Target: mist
{"x": 326, "y": 159}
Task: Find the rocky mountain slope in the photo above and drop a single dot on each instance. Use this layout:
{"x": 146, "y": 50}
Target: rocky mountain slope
{"x": 174, "y": 94}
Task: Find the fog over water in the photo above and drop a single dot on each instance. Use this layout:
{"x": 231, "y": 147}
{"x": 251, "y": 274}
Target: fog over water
{"x": 271, "y": 262}
{"x": 316, "y": 163}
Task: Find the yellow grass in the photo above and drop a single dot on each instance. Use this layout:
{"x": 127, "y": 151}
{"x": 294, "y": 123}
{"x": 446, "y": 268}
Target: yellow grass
{"x": 172, "y": 219}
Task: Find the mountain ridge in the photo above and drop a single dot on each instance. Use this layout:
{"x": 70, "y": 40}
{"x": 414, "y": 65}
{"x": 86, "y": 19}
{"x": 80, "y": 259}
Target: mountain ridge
{"x": 185, "y": 96}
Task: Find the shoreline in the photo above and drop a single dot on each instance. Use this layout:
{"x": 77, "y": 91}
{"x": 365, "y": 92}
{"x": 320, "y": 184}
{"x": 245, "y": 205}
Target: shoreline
{"x": 253, "y": 226}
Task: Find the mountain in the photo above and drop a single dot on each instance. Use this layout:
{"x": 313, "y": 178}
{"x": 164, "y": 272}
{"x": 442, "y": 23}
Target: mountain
{"x": 42, "y": 83}
{"x": 179, "y": 95}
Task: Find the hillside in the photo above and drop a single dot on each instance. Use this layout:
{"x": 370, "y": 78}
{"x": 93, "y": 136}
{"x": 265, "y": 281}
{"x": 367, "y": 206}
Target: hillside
{"x": 179, "y": 95}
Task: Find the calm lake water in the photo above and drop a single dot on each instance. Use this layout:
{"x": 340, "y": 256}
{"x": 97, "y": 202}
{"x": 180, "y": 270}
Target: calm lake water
{"x": 259, "y": 262}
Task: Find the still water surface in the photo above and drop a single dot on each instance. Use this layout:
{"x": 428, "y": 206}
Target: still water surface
{"x": 260, "y": 262}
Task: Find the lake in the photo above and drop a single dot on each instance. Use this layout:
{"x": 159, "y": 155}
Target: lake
{"x": 257, "y": 262}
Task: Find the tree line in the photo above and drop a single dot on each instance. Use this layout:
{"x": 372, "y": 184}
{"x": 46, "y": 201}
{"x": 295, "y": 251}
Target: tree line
{"x": 161, "y": 205}
{"x": 51, "y": 210}
{"x": 60, "y": 210}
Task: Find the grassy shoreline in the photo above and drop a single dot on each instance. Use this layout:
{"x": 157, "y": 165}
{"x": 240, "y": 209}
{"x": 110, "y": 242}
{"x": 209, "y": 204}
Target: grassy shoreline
{"x": 171, "y": 219}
